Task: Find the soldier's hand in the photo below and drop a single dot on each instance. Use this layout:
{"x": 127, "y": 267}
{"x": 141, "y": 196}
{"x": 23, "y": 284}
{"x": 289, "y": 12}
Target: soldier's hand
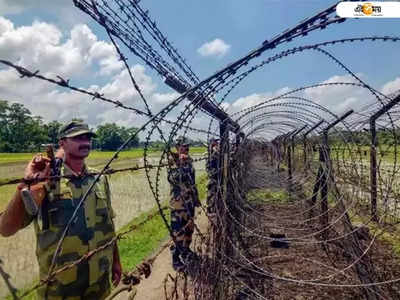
{"x": 38, "y": 167}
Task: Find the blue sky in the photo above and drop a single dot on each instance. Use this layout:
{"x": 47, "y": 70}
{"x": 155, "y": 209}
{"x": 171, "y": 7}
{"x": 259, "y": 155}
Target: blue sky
{"x": 189, "y": 24}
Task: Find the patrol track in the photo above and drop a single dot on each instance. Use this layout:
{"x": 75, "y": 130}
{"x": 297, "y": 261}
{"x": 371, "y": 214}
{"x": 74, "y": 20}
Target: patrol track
{"x": 233, "y": 257}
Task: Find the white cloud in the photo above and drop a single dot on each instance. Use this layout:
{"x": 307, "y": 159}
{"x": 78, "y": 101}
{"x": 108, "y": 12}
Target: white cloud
{"x": 80, "y": 55}
{"x": 340, "y": 98}
{"x": 255, "y": 99}
{"x": 391, "y": 86}
{"x": 77, "y": 54}
{"x": 216, "y": 48}
{"x": 45, "y": 100}
{"x": 121, "y": 87}
{"x": 41, "y": 47}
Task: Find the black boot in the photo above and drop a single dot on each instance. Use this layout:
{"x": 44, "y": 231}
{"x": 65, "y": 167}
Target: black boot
{"x": 177, "y": 263}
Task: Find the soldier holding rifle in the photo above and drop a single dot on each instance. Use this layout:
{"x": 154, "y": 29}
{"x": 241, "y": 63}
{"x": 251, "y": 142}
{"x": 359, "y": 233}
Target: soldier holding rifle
{"x": 54, "y": 202}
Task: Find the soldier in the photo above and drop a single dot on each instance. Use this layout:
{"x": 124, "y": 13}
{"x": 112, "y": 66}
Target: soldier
{"x": 212, "y": 170}
{"x": 57, "y": 200}
{"x": 184, "y": 199}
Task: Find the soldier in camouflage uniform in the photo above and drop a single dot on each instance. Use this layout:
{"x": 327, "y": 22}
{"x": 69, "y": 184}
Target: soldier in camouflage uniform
{"x": 92, "y": 228}
{"x": 184, "y": 199}
{"x": 212, "y": 170}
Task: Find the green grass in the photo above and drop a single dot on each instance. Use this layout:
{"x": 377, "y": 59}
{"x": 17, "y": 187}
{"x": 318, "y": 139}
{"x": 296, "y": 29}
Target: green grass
{"x": 260, "y": 196}
{"x": 139, "y": 244}
{"x": 6, "y": 158}
{"x": 15, "y": 157}
{"x": 393, "y": 239}
{"x": 31, "y": 296}
{"x": 390, "y": 237}
{"x": 6, "y": 192}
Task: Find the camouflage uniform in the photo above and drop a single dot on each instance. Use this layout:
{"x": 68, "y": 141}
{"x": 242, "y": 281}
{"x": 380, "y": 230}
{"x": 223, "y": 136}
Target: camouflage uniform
{"x": 212, "y": 186}
{"x": 184, "y": 198}
{"x": 92, "y": 228}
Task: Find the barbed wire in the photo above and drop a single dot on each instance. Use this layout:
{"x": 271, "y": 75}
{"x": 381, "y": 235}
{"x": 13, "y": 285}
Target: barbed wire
{"x": 95, "y": 95}
{"x": 322, "y": 175}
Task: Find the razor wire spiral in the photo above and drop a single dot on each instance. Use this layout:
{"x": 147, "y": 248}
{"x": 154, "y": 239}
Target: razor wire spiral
{"x": 236, "y": 261}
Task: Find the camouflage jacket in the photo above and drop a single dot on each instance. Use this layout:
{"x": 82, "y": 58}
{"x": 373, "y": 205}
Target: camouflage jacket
{"x": 92, "y": 228}
{"x": 181, "y": 176}
{"x": 212, "y": 165}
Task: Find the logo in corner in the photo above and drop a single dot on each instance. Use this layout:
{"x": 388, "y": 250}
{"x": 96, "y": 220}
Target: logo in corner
{"x": 367, "y": 9}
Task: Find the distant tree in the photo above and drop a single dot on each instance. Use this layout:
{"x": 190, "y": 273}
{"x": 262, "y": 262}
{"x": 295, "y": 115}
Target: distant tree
{"x": 127, "y": 132}
{"x": 157, "y": 145}
{"x": 52, "y": 129}
{"x": 22, "y": 132}
{"x": 4, "y": 130}
{"x": 110, "y": 137}
{"x": 38, "y": 133}
{"x": 19, "y": 130}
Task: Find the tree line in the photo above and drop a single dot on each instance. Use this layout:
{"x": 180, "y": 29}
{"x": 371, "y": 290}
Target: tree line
{"x": 20, "y": 131}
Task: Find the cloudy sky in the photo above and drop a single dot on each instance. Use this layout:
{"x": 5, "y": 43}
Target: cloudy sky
{"x": 58, "y": 39}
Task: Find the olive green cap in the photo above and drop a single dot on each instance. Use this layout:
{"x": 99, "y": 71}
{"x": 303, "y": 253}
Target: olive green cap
{"x": 74, "y": 128}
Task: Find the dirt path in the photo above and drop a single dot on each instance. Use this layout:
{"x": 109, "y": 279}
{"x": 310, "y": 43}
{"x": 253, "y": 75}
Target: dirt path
{"x": 152, "y": 288}
{"x": 305, "y": 261}
{"x": 311, "y": 268}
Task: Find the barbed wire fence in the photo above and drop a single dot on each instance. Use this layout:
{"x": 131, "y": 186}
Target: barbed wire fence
{"x": 334, "y": 168}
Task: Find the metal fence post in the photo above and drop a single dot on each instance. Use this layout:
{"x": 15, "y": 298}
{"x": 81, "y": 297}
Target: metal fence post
{"x": 373, "y": 163}
{"x": 292, "y": 140}
{"x": 325, "y": 160}
{"x": 305, "y": 139}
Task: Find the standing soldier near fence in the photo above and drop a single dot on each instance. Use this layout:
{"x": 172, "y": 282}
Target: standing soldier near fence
{"x": 56, "y": 201}
{"x": 184, "y": 199}
{"x": 213, "y": 171}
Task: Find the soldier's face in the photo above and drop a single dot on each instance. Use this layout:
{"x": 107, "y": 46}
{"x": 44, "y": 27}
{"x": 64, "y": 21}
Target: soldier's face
{"x": 77, "y": 146}
{"x": 183, "y": 149}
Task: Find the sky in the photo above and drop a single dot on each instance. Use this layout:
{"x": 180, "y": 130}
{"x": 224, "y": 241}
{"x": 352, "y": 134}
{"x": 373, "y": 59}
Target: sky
{"x": 58, "y": 39}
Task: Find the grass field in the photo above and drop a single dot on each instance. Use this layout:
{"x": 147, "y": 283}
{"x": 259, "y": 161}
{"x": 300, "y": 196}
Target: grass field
{"x": 132, "y": 200}
{"x": 94, "y": 155}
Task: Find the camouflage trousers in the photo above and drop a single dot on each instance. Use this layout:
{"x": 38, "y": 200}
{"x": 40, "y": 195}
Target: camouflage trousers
{"x": 79, "y": 290}
{"x": 182, "y": 226}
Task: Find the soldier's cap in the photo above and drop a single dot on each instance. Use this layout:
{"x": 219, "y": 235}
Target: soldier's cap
{"x": 182, "y": 141}
{"x": 74, "y": 128}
